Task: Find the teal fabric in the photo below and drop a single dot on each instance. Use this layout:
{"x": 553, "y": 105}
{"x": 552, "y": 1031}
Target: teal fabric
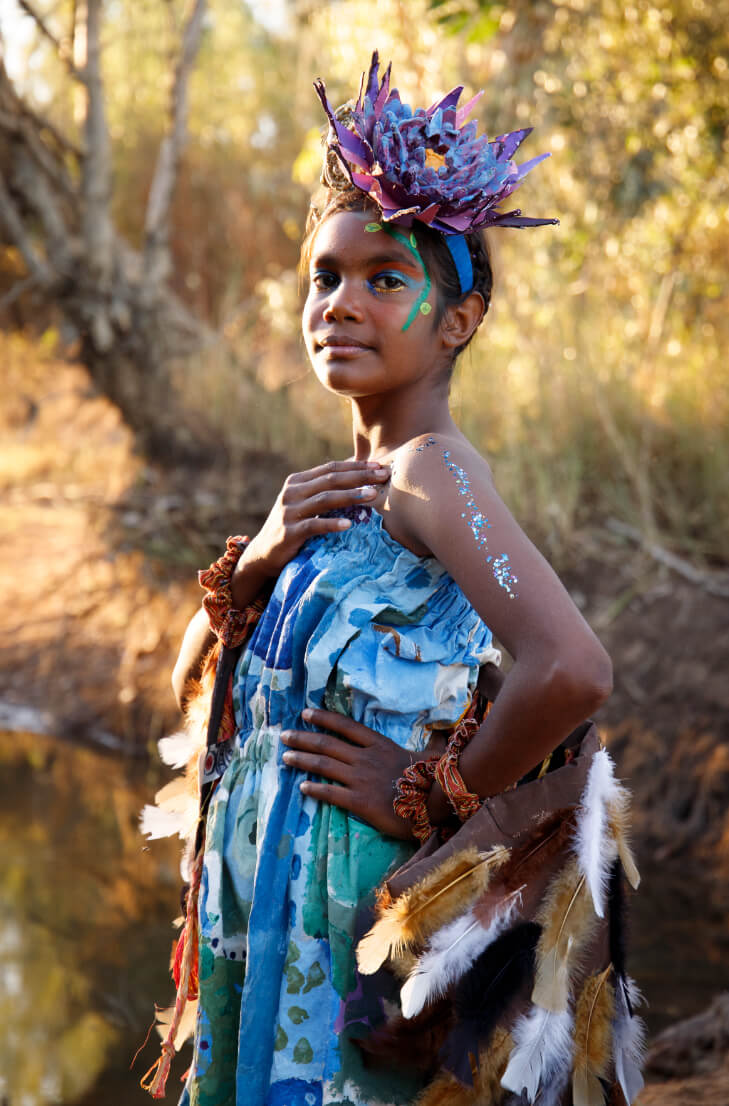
{"x": 361, "y": 625}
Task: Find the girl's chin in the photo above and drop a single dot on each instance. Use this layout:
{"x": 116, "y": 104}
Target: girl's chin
{"x": 343, "y": 378}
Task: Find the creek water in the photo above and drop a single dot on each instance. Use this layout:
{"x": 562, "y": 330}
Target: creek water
{"x": 85, "y": 929}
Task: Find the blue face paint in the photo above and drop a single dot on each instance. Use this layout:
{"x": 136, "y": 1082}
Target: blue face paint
{"x": 410, "y": 243}
{"x": 403, "y": 278}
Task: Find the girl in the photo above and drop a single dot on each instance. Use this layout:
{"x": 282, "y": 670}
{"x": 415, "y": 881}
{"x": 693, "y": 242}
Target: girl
{"x": 383, "y": 578}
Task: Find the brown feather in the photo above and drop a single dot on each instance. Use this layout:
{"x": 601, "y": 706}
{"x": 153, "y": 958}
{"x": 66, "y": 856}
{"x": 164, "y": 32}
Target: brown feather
{"x": 619, "y": 821}
{"x": 568, "y": 921}
{"x": 437, "y": 899}
{"x": 534, "y": 856}
{"x": 446, "y": 1090}
{"x": 409, "y": 1042}
{"x": 593, "y": 1039}
{"x": 528, "y": 869}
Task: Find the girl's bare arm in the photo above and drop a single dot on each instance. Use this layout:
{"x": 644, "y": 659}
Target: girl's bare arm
{"x": 197, "y": 642}
{"x": 444, "y": 498}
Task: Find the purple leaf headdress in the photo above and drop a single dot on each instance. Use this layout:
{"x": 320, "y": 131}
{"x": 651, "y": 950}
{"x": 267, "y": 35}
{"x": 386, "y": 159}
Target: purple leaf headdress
{"x": 429, "y": 164}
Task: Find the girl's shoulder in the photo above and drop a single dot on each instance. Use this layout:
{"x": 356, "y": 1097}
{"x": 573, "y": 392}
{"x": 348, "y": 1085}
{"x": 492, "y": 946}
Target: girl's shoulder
{"x": 436, "y": 459}
{"x": 431, "y": 475}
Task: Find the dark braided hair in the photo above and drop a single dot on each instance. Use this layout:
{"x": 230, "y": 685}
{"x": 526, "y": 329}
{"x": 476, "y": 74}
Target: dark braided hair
{"x": 432, "y": 247}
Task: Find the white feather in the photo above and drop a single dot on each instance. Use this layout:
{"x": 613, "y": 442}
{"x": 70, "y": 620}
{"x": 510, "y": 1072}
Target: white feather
{"x": 552, "y": 1094}
{"x": 628, "y": 1041}
{"x": 155, "y": 822}
{"x": 542, "y": 1052}
{"x": 185, "y": 1029}
{"x": 451, "y": 952}
{"x": 595, "y": 847}
{"x": 177, "y": 749}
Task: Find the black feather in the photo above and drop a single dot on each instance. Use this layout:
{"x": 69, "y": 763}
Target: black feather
{"x": 483, "y": 995}
{"x": 411, "y": 1043}
{"x": 617, "y": 927}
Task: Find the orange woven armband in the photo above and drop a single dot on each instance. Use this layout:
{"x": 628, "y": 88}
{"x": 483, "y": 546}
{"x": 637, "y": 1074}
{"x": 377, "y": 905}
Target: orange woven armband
{"x": 229, "y": 625}
{"x": 464, "y": 802}
{"x": 411, "y": 796}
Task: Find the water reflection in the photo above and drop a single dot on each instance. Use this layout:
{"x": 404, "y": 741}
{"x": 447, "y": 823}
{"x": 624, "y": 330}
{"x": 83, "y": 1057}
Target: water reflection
{"x": 84, "y": 923}
{"x": 85, "y": 929}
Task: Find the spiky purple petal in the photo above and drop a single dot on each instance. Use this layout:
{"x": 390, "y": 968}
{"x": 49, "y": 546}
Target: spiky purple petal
{"x": 427, "y": 164}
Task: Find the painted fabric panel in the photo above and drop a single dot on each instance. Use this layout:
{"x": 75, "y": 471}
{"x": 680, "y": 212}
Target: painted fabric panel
{"x": 357, "y": 623}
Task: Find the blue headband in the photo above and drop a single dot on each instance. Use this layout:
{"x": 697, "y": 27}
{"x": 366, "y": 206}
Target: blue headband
{"x": 459, "y": 251}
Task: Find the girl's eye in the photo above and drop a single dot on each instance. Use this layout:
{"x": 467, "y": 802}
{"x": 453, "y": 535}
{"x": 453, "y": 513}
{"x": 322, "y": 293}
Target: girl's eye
{"x": 388, "y": 282}
{"x": 323, "y": 280}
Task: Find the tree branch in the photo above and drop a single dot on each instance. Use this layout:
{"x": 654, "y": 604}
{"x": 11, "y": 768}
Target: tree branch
{"x": 33, "y": 186}
{"x": 10, "y": 218}
{"x": 60, "y": 47}
{"x": 96, "y": 167}
{"x": 714, "y": 582}
{"x": 17, "y": 290}
{"x": 156, "y": 226}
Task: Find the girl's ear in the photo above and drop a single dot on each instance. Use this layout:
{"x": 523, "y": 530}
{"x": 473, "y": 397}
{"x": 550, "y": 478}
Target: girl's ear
{"x": 459, "y": 320}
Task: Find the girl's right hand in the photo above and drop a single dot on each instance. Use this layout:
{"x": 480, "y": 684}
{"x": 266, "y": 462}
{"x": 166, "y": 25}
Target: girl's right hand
{"x": 297, "y": 515}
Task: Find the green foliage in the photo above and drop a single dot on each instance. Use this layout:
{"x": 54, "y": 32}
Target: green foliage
{"x": 477, "y": 21}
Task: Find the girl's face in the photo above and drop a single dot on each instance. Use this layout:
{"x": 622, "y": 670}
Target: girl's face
{"x": 361, "y": 334}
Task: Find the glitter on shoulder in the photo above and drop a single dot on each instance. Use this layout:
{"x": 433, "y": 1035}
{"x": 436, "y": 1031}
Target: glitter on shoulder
{"x": 478, "y": 524}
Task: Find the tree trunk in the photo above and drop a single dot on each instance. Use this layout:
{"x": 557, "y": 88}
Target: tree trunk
{"x": 55, "y": 212}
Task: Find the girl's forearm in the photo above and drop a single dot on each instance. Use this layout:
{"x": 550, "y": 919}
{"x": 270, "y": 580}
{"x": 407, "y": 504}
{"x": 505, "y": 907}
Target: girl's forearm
{"x": 537, "y": 707}
{"x": 196, "y": 643}
{"x": 250, "y": 578}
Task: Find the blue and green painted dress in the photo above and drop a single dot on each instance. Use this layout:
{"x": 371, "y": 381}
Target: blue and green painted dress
{"x": 359, "y": 624}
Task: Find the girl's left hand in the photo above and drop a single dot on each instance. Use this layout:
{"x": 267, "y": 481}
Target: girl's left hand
{"x": 364, "y": 768}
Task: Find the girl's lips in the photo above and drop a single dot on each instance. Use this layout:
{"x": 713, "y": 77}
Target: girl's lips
{"x": 343, "y": 347}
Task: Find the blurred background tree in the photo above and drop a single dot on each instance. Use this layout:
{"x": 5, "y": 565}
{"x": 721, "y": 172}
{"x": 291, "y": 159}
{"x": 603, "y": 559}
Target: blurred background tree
{"x": 599, "y": 385}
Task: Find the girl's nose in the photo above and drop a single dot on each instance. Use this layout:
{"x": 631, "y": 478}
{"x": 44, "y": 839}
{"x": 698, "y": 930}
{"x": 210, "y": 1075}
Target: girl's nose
{"x": 343, "y": 303}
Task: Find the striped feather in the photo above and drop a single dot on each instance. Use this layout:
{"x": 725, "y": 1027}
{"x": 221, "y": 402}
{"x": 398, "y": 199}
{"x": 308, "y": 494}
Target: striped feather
{"x": 593, "y": 1039}
{"x": 451, "y": 952}
{"x": 568, "y": 921}
{"x": 432, "y": 903}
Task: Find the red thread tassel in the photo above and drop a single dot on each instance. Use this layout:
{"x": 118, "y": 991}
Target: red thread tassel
{"x": 185, "y": 973}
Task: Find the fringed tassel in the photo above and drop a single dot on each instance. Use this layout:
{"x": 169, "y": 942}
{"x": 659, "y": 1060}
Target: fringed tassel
{"x": 186, "y": 978}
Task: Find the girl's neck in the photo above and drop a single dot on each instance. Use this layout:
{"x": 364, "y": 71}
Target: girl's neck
{"x": 379, "y": 433}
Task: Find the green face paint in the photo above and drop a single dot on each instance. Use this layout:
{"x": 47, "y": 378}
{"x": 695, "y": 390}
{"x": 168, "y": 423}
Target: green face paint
{"x": 411, "y": 243}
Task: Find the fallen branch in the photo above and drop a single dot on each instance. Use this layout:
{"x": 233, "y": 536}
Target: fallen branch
{"x": 711, "y": 582}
